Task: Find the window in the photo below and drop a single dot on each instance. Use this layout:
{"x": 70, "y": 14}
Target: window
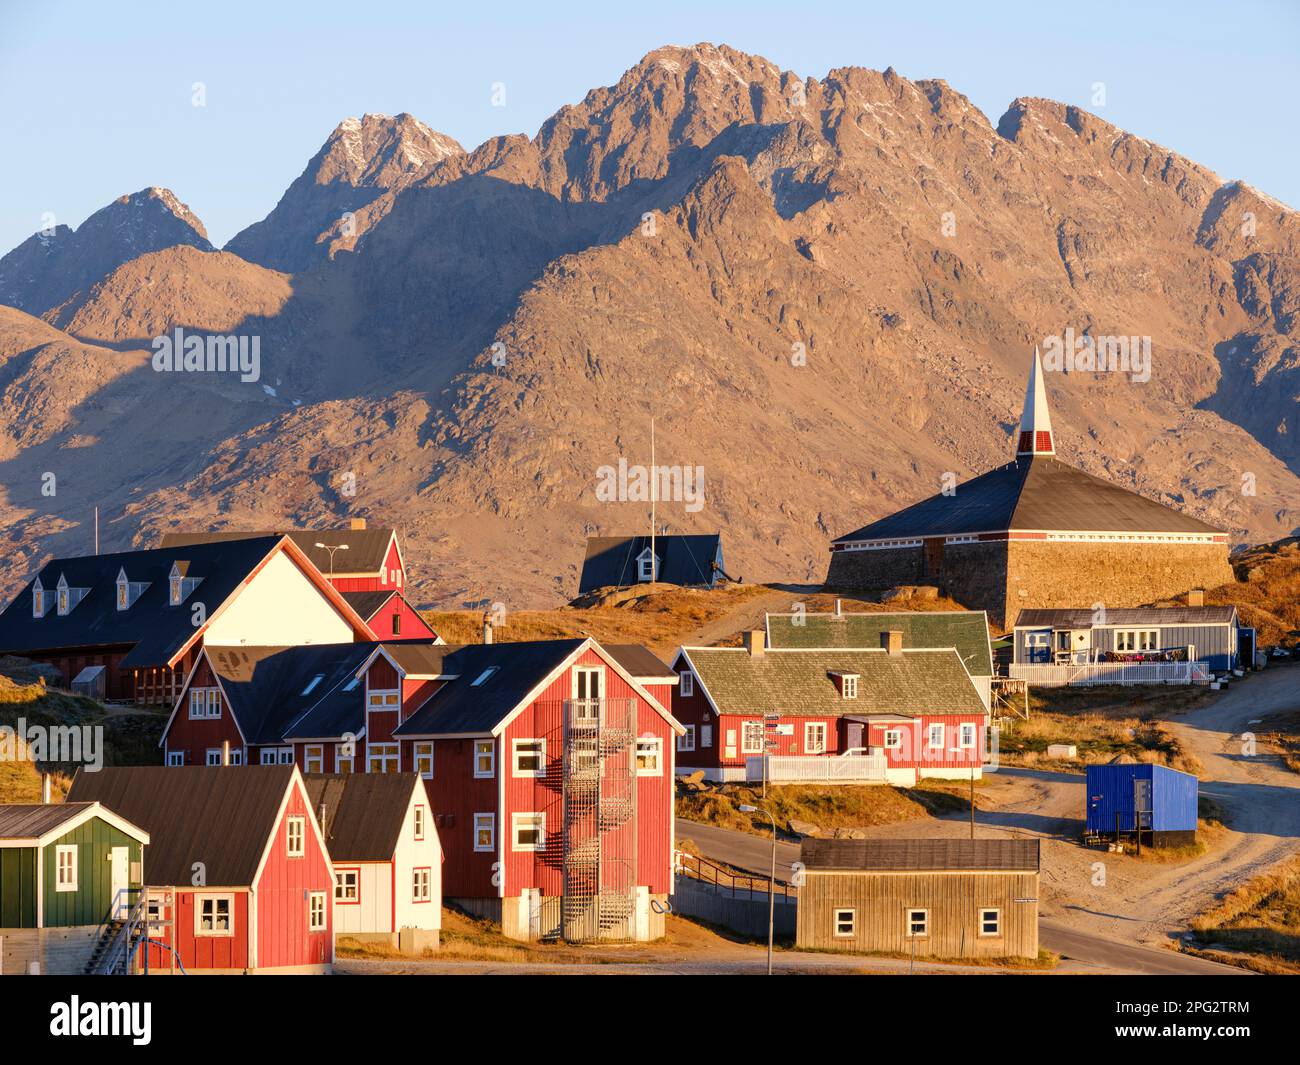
{"x": 285, "y": 756}
{"x": 316, "y": 911}
{"x": 918, "y": 923}
{"x": 213, "y": 915}
{"x": 381, "y": 758}
{"x": 1137, "y": 640}
{"x": 686, "y": 741}
{"x": 706, "y": 735}
{"x": 934, "y": 736}
{"x": 66, "y": 868}
{"x": 123, "y": 595}
{"x": 38, "y": 599}
{"x": 752, "y": 735}
{"x": 529, "y": 757}
{"x": 314, "y": 758}
{"x": 849, "y": 681}
{"x": 311, "y": 684}
{"x": 213, "y": 756}
{"x": 344, "y": 757}
{"x": 649, "y": 756}
{"x": 397, "y": 624}
{"x": 347, "y": 886}
{"x": 385, "y": 700}
{"x": 352, "y": 684}
{"x": 990, "y": 922}
{"x": 205, "y": 703}
{"x": 424, "y": 759}
{"x": 893, "y": 738}
{"x": 237, "y": 756}
{"x": 419, "y": 823}
{"x": 484, "y": 677}
{"x": 421, "y": 885}
{"x": 646, "y": 565}
{"x": 814, "y": 737}
{"x": 688, "y": 682}
{"x": 174, "y": 592}
{"x": 588, "y": 688}
{"x": 63, "y": 598}
{"x": 296, "y": 843}
{"x": 846, "y": 922}
{"x": 175, "y": 757}
{"x": 485, "y": 832}
{"x": 968, "y": 735}
{"x": 529, "y": 831}
{"x": 485, "y": 758}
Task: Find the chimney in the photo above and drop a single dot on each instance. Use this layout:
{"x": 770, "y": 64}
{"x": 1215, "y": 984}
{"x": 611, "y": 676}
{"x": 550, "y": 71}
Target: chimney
{"x": 487, "y": 628}
{"x": 755, "y": 642}
{"x": 225, "y": 752}
{"x": 837, "y": 608}
{"x": 320, "y": 818}
{"x": 357, "y": 523}
{"x": 45, "y": 788}
{"x": 1196, "y": 597}
{"x": 892, "y": 641}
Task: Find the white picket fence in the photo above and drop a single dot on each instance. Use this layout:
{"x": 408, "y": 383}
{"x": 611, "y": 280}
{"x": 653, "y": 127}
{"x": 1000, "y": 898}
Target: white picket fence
{"x": 818, "y": 769}
{"x": 1049, "y": 676}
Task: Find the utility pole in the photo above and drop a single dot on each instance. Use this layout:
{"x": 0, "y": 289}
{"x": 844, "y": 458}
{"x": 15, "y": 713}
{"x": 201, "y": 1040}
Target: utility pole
{"x": 97, "y": 530}
{"x": 654, "y": 497}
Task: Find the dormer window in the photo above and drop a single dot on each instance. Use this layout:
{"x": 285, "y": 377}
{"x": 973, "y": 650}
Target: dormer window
{"x": 64, "y": 595}
{"x": 847, "y": 683}
{"x": 180, "y": 584}
{"x": 38, "y": 599}
{"x": 647, "y": 566}
{"x": 128, "y": 591}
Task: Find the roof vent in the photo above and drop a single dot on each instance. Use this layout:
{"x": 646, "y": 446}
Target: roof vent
{"x": 892, "y": 641}
{"x": 1196, "y": 597}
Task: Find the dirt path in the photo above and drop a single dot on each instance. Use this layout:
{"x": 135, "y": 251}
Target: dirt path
{"x": 747, "y": 615}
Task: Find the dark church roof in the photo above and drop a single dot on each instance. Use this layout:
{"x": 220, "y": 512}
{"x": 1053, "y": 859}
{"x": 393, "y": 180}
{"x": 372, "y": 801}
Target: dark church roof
{"x": 1034, "y": 493}
{"x": 611, "y": 561}
{"x": 367, "y": 549}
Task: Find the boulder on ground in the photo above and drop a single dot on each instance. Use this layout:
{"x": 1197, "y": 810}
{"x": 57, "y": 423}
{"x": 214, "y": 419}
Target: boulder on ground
{"x": 850, "y": 833}
{"x": 910, "y": 591}
{"x": 1062, "y": 750}
{"x": 803, "y": 828}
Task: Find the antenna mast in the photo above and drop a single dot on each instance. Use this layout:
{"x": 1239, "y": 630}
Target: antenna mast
{"x": 654, "y": 495}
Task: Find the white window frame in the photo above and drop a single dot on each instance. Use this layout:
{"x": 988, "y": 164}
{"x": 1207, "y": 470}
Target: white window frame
{"x": 839, "y": 920}
{"x": 488, "y": 822}
{"x": 897, "y": 734}
{"x": 910, "y": 920}
{"x": 422, "y": 751}
{"x": 236, "y": 756}
{"x": 341, "y": 759}
{"x": 417, "y": 822}
{"x": 67, "y": 875}
{"x": 849, "y": 684}
{"x": 313, "y": 752}
{"x": 383, "y": 758}
{"x": 313, "y": 899}
{"x": 746, "y": 728}
{"x": 686, "y": 741}
{"x": 212, "y": 756}
{"x": 386, "y": 700}
{"x": 38, "y": 599}
{"x": 517, "y": 822}
{"x": 295, "y": 837}
{"x": 588, "y": 702}
{"x": 123, "y": 593}
{"x": 810, "y": 728}
{"x": 539, "y": 754}
{"x": 1132, "y": 641}
{"x": 650, "y": 748}
{"x": 967, "y": 735}
{"x": 688, "y": 683}
{"x": 647, "y": 566}
{"x": 214, "y": 932}
{"x": 347, "y": 885}
{"x": 421, "y": 884}
{"x": 930, "y": 731}
{"x": 483, "y": 748}
{"x": 175, "y": 758}
{"x": 996, "y": 921}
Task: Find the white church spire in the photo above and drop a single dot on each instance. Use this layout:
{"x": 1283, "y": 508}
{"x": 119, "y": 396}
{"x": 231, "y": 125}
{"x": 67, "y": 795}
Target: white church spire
{"x": 1036, "y": 421}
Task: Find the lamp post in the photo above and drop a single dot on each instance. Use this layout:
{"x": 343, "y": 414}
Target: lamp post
{"x": 960, "y": 750}
{"x": 331, "y": 550}
{"x": 771, "y": 883}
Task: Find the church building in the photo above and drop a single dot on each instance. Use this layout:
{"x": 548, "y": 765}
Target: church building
{"x": 1035, "y": 533}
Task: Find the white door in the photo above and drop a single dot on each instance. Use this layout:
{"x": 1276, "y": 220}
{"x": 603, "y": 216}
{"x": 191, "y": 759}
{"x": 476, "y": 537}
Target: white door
{"x": 119, "y": 859}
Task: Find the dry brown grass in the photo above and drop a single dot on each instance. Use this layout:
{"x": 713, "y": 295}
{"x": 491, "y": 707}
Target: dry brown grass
{"x": 827, "y": 807}
{"x": 1269, "y": 597}
{"x": 1281, "y": 734}
{"x": 1257, "y": 926}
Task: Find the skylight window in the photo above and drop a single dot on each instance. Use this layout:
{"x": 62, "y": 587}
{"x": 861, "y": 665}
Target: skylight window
{"x": 352, "y": 684}
{"x": 483, "y": 677}
{"x": 311, "y": 684}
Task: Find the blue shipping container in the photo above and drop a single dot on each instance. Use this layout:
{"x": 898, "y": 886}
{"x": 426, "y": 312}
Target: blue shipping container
{"x": 1169, "y": 798}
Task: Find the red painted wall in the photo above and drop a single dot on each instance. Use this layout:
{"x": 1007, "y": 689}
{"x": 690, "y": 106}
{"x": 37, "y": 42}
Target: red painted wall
{"x": 411, "y": 624}
{"x": 201, "y": 952}
{"x": 390, "y": 577}
{"x": 694, "y": 710}
{"x": 455, "y": 795}
{"x": 282, "y": 936}
{"x": 195, "y": 736}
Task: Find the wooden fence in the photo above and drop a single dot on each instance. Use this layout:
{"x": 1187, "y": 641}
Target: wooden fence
{"x": 818, "y": 768}
{"x": 1049, "y": 676}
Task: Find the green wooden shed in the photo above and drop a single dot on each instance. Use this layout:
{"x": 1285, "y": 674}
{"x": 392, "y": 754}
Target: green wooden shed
{"x": 64, "y": 865}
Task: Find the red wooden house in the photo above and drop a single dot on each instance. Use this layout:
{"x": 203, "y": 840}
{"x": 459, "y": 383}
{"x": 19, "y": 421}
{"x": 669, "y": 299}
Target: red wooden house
{"x": 390, "y": 616}
{"x": 144, "y": 616}
{"x": 918, "y": 708}
{"x": 239, "y": 878}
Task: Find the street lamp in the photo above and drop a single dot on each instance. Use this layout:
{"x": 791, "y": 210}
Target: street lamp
{"x": 331, "y": 550}
{"x": 771, "y": 883}
{"x": 959, "y": 750}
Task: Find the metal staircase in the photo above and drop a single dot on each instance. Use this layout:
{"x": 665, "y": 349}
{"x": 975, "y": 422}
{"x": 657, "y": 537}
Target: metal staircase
{"x": 120, "y": 935}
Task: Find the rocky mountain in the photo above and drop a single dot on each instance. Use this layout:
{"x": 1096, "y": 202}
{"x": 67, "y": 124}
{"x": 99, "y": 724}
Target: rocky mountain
{"x": 826, "y": 292}
{"x": 53, "y": 264}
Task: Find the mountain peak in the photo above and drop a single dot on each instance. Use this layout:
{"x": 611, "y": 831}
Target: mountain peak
{"x": 380, "y": 151}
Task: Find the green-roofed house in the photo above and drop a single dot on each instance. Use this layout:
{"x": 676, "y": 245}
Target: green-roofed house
{"x": 66, "y": 869}
{"x": 965, "y": 630}
{"x": 901, "y": 713}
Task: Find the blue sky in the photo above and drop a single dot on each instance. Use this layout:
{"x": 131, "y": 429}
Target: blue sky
{"x": 95, "y": 97}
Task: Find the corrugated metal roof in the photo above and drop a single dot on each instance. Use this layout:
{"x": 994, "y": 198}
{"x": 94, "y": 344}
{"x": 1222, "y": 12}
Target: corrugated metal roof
{"x": 362, "y": 813}
{"x": 33, "y": 820}
{"x": 1083, "y": 618}
{"x": 1033, "y": 493}
{"x": 221, "y": 816}
{"x": 639, "y": 661}
{"x": 611, "y": 561}
{"x": 921, "y": 855}
{"x": 796, "y": 681}
{"x": 366, "y": 553}
{"x": 966, "y": 630}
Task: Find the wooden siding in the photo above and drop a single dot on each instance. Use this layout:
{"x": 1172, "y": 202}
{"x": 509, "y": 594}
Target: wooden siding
{"x": 17, "y": 887}
{"x": 1214, "y": 643}
{"x": 89, "y": 904}
{"x": 196, "y": 736}
{"x": 954, "y": 899}
{"x": 455, "y": 796}
{"x": 281, "y": 897}
{"x": 197, "y": 952}
{"x": 694, "y": 710}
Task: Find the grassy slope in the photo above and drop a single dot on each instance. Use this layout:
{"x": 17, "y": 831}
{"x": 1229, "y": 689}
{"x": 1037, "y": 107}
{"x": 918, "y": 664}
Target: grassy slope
{"x": 1256, "y": 924}
{"x": 1269, "y": 597}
